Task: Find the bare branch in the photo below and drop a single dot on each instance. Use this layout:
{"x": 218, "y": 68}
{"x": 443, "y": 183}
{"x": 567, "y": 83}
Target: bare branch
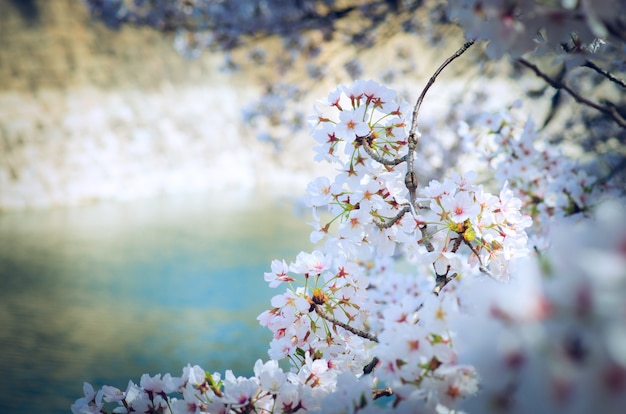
{"x": 358, "y": 332}
{"x": 611, "y": 112}
{"x": 431, "y": 81}
{"x": 605, "y": 73}
{"x": 410, "y": 179}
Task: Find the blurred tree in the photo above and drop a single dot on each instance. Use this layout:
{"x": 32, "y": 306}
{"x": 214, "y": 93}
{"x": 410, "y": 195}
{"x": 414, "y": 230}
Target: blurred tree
{"x": 576, "y": 47}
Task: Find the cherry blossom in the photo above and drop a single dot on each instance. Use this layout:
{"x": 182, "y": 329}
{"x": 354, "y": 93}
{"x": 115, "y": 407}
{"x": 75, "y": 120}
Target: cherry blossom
{"x": 382, "y": 314}
{"x": 90, "y": 403}
{"x": 278, "y": 273}
{"x": 311, "y": 263}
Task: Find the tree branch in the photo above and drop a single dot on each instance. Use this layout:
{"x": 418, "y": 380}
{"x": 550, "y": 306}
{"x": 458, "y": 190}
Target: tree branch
{"x": 611, "y": 112}
{"x": 605, "y": 73}
{"x": 431, "y": 81}
{"x": 393, "y": 220}
{"x": 364, "y": 141}
{"x": 410, "y": 180}
{"x": 358, "y": 332}
{"x": 425, "y": 236}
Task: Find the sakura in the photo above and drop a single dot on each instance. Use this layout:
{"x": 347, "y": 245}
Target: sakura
{"x": 462, "y": 292}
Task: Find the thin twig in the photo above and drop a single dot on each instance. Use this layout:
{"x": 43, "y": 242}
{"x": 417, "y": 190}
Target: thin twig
{"x": 410, "y": 180}
{"x": 605, "y": 73}
{"x": 358, "y": 332}
{"x": 486, "y": 271}
{"x": 431, "y": 81}
{"x": 395, "y": 219}
{"x": 611, "y": 112}
{"x": 364, "y": 141}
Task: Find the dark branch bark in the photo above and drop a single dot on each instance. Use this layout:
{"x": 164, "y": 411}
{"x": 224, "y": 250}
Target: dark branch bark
{"x": 605, "y": 73}
{"x": 610, "y": 112}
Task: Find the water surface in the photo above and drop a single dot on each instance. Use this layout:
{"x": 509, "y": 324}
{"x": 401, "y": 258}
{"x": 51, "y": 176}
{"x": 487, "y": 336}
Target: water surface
{"x": 107, "y": 292}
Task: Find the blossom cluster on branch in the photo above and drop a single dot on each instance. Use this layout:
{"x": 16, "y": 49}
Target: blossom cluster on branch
{"x": 401, "y": 305}
{"x": 548, "y": 183}
{"x": 327, "y": 323}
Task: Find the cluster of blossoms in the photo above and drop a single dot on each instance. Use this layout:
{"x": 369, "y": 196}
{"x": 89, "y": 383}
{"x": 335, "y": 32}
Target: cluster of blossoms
{"x": 342, "y": 332}
{"x": 365, "y": 136}
{"x": 492, "y": 227}
{"x": 196, "y": 391}
{"x": 554, "y": 338}
{"x": 549, "y": 184}
{"x": 361, "y": 336}
{"x": 416, "y": 354}
{"x": 332, "y": 287}
{"x": 332, "y": 310}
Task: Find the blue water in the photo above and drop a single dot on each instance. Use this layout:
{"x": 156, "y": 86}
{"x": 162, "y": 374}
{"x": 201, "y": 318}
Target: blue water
{"x": 107, "y": 292}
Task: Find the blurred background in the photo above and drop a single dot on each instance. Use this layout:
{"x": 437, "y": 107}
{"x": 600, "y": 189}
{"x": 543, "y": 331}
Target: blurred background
{"x": 135, "y": 218}
{"x": 90, "y": 113}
